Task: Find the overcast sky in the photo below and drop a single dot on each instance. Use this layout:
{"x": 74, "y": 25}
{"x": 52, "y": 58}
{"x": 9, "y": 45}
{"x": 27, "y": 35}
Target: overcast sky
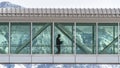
{"x": 67, "y": 3}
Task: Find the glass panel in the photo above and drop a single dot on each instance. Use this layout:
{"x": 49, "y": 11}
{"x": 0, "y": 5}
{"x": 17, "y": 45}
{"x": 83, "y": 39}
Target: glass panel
{"x": 20, "y": 38}
{"x": 4, "y": 38}
{"x": 85, "y": 38}
{"x": 42, "y": 43}
{"x": 63, "y": 38}
{"x": 108, "y": 38}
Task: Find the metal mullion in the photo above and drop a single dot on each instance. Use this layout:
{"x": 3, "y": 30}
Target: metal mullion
{"x": 118, "y": 38}
{"x": 93, "y": 39}
{"x": 113, "y": 38}
{"x": 118, "y": 42}
{"x": 31, "y": 42}
{"x": 31, "y": 38}
{"x": 97, "y": 38}
{"x": 97, "y": 42}
{"x": 74, "y": 41}
{"x": 9, "y": 41}
{"x": 53, "y": 41}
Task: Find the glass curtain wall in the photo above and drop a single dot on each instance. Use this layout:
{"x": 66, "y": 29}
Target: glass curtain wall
{"x": 20, "y": 38}
{"x": 85, "y": 38}
{"x": 63, "y": 38}
{"x": 4, "y": 38}
{"x": 108, "y": 38}
{"x": 41, "y": 38}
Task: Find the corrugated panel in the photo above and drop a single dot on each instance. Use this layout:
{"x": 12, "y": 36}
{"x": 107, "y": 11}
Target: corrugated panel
{"x": 104, "y": 11}
{"x": 48, "y": 11}
{"x": 100, "y": 11}
{"x": 70, "y": 11}
{"x": 35, "y": 10}
{"x": 44, "y": 10}
{"x": 4, "y": 10}
{"x": 57, "y": 11}
{"x": 87, "y": 11}
{"x": 39, "y": 11}
{"x": 65, "y": 11}
{"x": 117, "y": 11}
{"x": 22, "y": 10}
{"x": 0, "y": 10}
{"x": 95, "y": 11}
{"x": 9, "y": 10}
{"x": 78, "y": 11}
{"x": 18, "y": 10}
{"x": 91, "y": 11}
{"x": 60, "y": 12}
{"x": 53, "y": 11}
{"x": 83, "y": 11}
{"x": 108, "y": 11}
{"x": 28, "y": 10}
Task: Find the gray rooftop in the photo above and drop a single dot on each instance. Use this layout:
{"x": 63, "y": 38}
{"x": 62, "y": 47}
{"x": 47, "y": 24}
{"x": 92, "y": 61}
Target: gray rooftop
{"x": 115, "y": 12}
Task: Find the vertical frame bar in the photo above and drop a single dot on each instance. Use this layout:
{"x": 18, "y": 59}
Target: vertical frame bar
{"x": 9, "y": 40}
{"x": 9, "y": 49}
{"x": 74, "y": 35}
{"x": 97, "y": 42}
{"x": 114, "y": 38}
{"x": 31, "y": 38}
{"x": 118, "y": 43}
{"x": 73, "y": 30}
{"x": 97, "y": 38}
{"x": 31, "y": 41}
{"x": 52, "y": 41}
{"x": 93, "y": 39}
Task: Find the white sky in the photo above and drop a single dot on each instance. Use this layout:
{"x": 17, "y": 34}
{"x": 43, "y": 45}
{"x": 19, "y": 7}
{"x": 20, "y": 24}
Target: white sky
{"x": 67, "y": 3}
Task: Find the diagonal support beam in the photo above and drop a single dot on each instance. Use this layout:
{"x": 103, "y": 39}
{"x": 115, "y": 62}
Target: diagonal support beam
{"x": 28, "y": 42}
{"x": 69, "y": 35}
{"x": 109, "y": 45}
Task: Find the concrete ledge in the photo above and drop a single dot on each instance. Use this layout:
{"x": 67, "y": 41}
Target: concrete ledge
{"x": 107, "y": 59}
{"x": 20, "y": 58}
{"x": 4, "y": 58}
{"x": 64, "y": 58}
{"x": 86, "y": 59}
{"x": 60, "y": 58}
{"x": 43, "y": 58}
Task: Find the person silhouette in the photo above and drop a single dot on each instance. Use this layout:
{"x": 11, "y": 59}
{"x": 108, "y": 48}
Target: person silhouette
{"x": 58, "y": 43}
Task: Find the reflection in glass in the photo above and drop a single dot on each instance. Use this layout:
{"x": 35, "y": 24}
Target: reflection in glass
{"x": 66, "y": 36}
{"x": 20, "y": 38}
{"x": 41, "y": 36}
{"x": 108, "y": 38}
{"x": 85, "y": 38}
{"x": 4, "y": 38}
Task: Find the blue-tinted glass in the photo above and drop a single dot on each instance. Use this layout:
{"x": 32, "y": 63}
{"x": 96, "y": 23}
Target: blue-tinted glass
{"x": 65, "y": 41}
{"x": 4, "y": 36}
{"x": 20, "y": 38}
{"x": 108, "y": 38}
{"x": 85, "y": 38}
{"x": 41, "y": 36}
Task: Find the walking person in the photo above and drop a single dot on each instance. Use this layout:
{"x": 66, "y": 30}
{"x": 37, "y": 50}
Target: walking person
{"x": 58, "y": 43}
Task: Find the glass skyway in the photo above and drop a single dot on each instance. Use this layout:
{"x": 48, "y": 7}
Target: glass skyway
{"x": 40, "y": 38}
